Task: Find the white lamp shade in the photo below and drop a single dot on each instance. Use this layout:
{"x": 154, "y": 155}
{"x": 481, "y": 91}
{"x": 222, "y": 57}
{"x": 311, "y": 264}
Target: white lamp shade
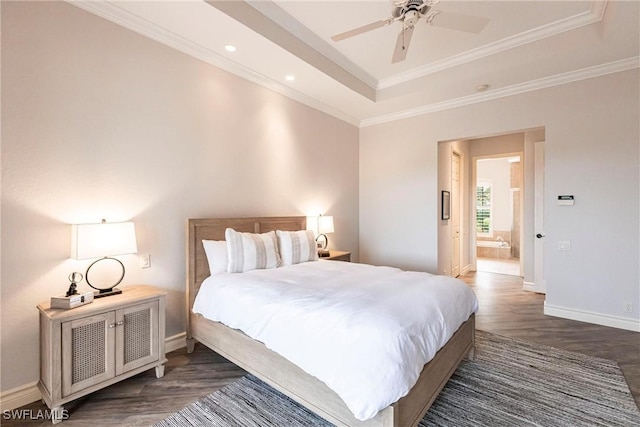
{"x": 325, "y": 224}
{"x": 312, "y": 224}
{"x": 102, "y": 240}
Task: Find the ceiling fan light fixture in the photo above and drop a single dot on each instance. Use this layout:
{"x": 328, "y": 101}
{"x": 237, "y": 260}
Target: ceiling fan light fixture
{"x": 410, "y": 18}
{"x": 408, "y": 13}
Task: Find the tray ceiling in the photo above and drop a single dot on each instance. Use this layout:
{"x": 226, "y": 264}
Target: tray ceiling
{"x": 526, "y": 45}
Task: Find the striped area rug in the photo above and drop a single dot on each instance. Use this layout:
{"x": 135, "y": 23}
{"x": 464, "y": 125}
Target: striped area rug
{"x": 510, "y": 383}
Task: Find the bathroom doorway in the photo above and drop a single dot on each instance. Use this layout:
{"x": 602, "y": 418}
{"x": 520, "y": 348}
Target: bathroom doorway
{"x": 498, "y": 213}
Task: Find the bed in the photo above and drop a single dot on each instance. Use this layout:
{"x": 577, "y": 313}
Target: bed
{"x": 287, "y": 377}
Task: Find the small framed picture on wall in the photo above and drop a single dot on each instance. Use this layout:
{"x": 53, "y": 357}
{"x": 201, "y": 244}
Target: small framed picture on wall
{"x": 446, "y": 205}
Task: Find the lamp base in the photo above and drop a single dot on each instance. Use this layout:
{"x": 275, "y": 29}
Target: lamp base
{"x": 324, "y": 253}
{"x": 107, "y": 293}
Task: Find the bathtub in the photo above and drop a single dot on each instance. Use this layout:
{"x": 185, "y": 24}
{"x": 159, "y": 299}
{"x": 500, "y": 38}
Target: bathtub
{"x": 493, "y": 249}
{"x": 492, "y": 244}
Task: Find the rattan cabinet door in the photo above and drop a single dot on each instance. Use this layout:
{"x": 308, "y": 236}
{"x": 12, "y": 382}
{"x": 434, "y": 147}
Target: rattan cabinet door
{"x": 95, "y": 345}
{"x": 87, "y": 351}
{"x": 137, "y": 336}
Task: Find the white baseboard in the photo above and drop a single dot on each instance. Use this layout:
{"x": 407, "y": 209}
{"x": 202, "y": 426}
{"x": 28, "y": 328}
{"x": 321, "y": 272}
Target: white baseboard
{"x": 19, "y": 396}
{"x": 467, "y": 268}
{"x": 591, "y": 317}
{"x": 531, "y": 287}
{"x": 28, "y": 393}
{"x": 175, "y": 342}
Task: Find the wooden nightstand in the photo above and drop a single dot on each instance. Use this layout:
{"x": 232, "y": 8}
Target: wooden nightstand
{"x": 87, "y": 348}
{"x": 338, "y": 256}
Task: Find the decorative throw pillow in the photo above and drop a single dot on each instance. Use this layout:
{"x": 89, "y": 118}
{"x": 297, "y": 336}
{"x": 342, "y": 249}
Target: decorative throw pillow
{"x": 297, "y": 246}
{"x": 249, "y": 251}
{"x": 216, "y": 251}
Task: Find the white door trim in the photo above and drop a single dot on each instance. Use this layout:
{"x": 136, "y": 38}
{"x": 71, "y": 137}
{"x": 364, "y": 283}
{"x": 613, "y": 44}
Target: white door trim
{"x": 539, "y": 283}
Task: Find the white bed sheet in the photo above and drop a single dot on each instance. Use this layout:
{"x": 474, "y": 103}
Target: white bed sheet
{"x": 365, "y": 331}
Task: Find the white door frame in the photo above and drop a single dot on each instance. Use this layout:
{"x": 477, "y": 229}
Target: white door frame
{"x": 457, "y": 195}
{"x": 472, "y": 220}
{"x": 539, "y": 284}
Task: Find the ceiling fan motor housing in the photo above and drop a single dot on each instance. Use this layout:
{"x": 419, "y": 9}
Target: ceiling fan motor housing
{"x": 411, "y": 9}
{"x": 409, "y": 12}
{"x": 411, "y": 18}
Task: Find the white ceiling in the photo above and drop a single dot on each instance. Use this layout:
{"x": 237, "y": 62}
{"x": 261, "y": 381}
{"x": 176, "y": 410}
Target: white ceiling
{"x": 527, "y": 45}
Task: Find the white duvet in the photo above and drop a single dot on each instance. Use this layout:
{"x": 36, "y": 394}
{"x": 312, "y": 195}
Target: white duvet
{"x": 364, "y": 331}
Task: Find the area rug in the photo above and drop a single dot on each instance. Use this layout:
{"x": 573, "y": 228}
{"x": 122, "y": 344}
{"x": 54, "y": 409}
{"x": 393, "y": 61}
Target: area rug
{"x": 510, "y": 383}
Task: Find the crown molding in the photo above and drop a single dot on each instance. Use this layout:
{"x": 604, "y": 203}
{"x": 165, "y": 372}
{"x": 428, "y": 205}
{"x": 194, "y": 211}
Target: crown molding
{"x": 532, "y": 85}
{"x": 124, "y": 18}
{"x": 278, "y": 15}
{"x": 299, "y": 45}
{"x": 595, "y": 14}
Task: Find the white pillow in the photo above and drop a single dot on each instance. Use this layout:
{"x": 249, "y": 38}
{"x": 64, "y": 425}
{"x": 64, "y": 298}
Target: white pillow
{"x": 249, "y": 251}
{"x": 297, "y": 246}
{"x": 216, "y": 251}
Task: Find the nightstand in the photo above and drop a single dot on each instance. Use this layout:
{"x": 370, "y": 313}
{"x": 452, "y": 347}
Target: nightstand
{"x": 338, "y": 256}
{"x": 90, "y": 347}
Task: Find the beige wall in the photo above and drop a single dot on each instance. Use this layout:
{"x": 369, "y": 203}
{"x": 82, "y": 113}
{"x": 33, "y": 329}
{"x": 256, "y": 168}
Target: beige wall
{"x": 592, "y": 151}
{"x": 99, "y": 122}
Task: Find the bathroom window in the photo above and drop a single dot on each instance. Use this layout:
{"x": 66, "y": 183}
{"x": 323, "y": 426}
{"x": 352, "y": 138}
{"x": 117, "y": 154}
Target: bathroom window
{"x": 483, "y": 209}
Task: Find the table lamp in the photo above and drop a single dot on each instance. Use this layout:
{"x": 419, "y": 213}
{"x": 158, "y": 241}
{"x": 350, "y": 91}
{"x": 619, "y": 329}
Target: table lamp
{"x": 325, "y": 226}
{"x": 103, "y": 241}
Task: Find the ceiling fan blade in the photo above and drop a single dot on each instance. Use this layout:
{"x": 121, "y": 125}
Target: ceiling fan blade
{"x": 363, "y": 29}
{"x": 459, "y": 22}
{"x": 402, "y": 45}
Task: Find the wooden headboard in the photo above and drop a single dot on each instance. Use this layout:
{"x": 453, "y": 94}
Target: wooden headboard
{"x": 213, "y": 229}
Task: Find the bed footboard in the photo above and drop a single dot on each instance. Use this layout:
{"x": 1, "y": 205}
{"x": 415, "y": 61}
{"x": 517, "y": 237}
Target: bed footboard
{"x": 284, "y": 376}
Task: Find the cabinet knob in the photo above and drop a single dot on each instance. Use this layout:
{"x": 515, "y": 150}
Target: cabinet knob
{"x": 120, "y": 323}
{"x": 113, "y": 325}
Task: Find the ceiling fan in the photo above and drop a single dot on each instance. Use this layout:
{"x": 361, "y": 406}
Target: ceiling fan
{"x": 408, "y": 12}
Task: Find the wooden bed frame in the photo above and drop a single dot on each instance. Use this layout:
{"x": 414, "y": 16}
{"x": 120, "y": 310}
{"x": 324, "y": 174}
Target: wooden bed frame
{"x": 283, "y": 375}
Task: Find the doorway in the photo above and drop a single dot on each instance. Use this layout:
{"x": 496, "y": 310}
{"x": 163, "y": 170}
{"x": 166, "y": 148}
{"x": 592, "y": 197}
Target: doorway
{"x": 498, "y": 214}
{"x": 525, "y": 211}
{"x": 456, "y": 166}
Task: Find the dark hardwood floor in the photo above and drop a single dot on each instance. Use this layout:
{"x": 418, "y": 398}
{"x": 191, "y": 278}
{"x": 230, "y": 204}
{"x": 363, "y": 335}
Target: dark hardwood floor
{"x": 504, "y": 309}
{"x": 508, "y": 311}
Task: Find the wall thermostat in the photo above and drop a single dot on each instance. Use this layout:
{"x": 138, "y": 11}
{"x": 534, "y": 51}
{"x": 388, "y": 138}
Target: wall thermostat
{"x": 566, "y": 200}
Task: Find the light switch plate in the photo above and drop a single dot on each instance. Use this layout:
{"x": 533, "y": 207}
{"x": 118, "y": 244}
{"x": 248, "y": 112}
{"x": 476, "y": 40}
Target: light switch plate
{"x": 145, "y": 261}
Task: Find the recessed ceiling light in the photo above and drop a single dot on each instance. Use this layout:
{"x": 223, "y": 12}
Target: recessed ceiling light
{"x": 290, "y": 78}
{"x": 230, "y": 48}
{"x": 482, "y": 88}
